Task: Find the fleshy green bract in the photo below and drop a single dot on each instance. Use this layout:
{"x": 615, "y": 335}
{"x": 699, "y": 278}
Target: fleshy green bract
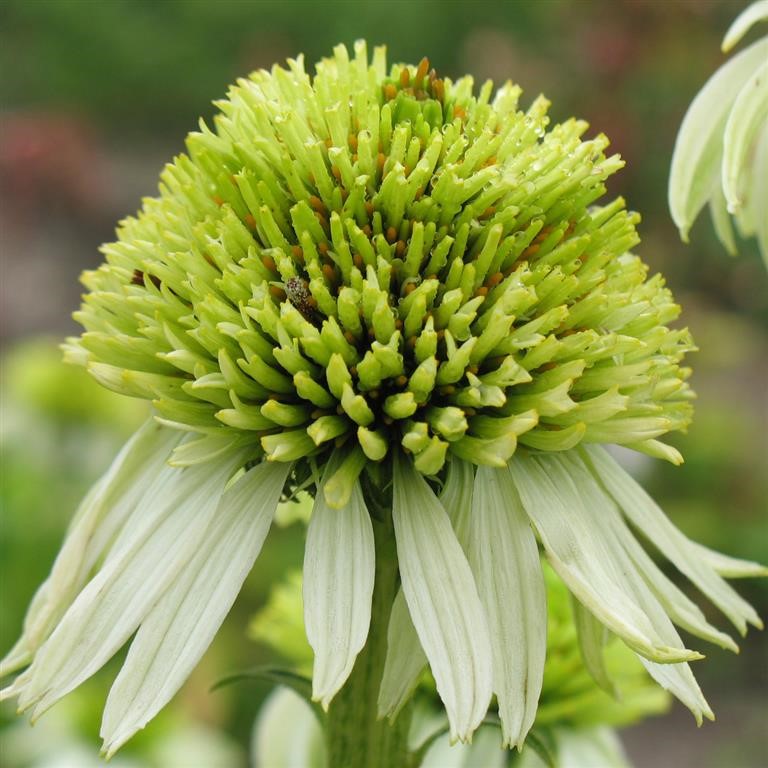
{"x": 386, "y": 259}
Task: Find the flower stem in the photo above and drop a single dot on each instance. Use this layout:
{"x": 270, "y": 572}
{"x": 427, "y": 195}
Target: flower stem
{"x": 354, "y": 735}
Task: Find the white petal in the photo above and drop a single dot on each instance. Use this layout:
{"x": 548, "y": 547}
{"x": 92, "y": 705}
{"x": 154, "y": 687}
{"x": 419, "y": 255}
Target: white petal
{"x": 721, "y": 219}
{"x": 505, "y": 561}
{"x": 680, "y": 682}
{"x": 456, "y": 497}
{"x": 753, "y": 13}
{"x": 182, "y": 624}
{"x": 587, "y": 560}
{"x": 99, "y": 517}
{"x": 592, "y": 637}
{"x": 339, "y": 567}
{"x": 160, "y": 538}
{"x": 286, "y": 733}
{"x": 730, "y": 567}
{"x": 648, "y": 518}
{"x": 747, "y": 118}
{"x": 758, "y": 197}
{"x": 677, "y": 678}
{"x": 443, "y": 601}
{"x": 405, "y": 660}
{"x": 699, "y": 145}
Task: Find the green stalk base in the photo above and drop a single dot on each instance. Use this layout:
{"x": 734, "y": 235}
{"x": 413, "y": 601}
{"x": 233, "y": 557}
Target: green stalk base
{"x": 355, "y": 737}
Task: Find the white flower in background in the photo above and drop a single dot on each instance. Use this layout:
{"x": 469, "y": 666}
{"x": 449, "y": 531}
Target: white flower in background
{"x": 381, "y": 287}
{"x": 721, "y": 152}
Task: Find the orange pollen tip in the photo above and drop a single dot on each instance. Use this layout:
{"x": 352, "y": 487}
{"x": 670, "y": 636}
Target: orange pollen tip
{"x": 390, "y": 91}
{"x": 316, "y": 203}
{"x": 380, "y": 160}
{"x": 391, "y": 234}
{"x": 218, "y": 200}
{"x": 277, "y": 292}
{"x": 400, "y": 247}
{"x": 399, "y": 324}
{"x": 250, "y": 221}
{"x": 336, "y": 173}
{"x": 495, "y": 279}
{"x": 269, "y": 263}
{"x": 482, "y": 291}
{"x": 329, "y": 272}
{"x": 369, "y": 208}
{"x": 531, "y": 250}
{"x": 367, "y": 231}
{"x": 410, "y": 288}
{"x": 349, "y": 336}
{"x": 421, "y": 71}
{"x": 322, "y": 248}
{"x": 358, "y": 260}
{"x": 405, "y": 77}
{"x": 401, "y": 380}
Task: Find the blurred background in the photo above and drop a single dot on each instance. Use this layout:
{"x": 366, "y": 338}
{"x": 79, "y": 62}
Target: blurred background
{"x": 96, "y": 96}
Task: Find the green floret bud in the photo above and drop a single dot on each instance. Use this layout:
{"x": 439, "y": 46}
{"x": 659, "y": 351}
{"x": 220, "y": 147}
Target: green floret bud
{"x": 383, "y": 260}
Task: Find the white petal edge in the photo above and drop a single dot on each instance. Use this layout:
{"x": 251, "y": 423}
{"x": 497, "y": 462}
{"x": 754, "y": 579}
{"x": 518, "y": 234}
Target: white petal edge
{"x": 753, "y": 13}
{"x": 699, "y": 145}
{"x": 98, "y": 518}
{"x": 442, "y": 599}
{"x": 339, "y": 569}
{"x": 746, "y": 119}
{"x": 504, "y": 558}
{"x": 160, "y": 538}
{"x": 583, "y": 555}
{"x": 182, "y": 624}
{"x": 646, "y": 516}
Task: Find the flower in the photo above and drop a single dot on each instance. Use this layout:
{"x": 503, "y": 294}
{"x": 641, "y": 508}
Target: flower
{"x": 721, "y": 152}
{"x": 396, "y": 294}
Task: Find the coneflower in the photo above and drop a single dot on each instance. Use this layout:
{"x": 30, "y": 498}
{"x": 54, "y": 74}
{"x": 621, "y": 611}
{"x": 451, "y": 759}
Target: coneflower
{"x": 401, "y": 295}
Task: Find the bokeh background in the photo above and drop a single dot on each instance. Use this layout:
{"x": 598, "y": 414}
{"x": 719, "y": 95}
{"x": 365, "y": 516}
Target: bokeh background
{"x": 96, "y": 95}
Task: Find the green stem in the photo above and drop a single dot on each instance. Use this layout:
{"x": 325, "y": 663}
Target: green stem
{"x": 355, "y": 737}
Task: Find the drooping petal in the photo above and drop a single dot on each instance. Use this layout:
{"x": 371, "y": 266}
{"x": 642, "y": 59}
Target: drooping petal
{"x": 730, "y": 567}
{"x": 99, "y": 517}
{"x": 505, "y": 562}
{"x": 592, "y": 636}
{"x": 577, "y": 545}
{"x": 404, "y": 663}
{"x": 442, "y": 599}
{"x": 339, "y": 566}
{"x": 182, "y": 624}
{"x": 161, "y": 536}
{"x": 635, "y": 577}
{"x": 753, "y": 13}
{"x": 747, "y": 118}
{"x": 699, "y": 145}
{"x": 648, "y": 518}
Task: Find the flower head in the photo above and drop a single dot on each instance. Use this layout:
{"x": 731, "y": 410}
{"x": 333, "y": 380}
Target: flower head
{"x": 398, "y": 294}
{"x": 721, "y": 153}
